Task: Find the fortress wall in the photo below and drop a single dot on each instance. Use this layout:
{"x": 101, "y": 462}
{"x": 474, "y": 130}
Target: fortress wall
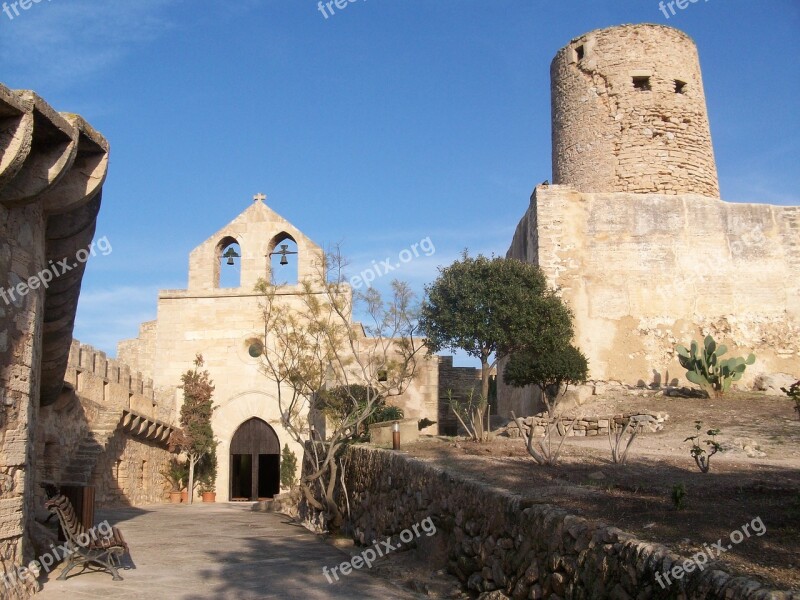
{"x": 21, "y": 256}
{"x": 99, "y": 389}
{"x": 644, "y": 273}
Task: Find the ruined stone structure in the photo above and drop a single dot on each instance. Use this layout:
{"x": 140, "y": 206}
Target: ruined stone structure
{"x": 225, "y": 325}
{"x": 633, "y": 233}
{"x": 629, "y": 114}
{"x": 52, "y": 168}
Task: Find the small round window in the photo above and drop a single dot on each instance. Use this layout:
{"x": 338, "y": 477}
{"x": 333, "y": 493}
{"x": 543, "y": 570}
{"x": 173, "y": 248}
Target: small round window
{"x": 255, "y": 348}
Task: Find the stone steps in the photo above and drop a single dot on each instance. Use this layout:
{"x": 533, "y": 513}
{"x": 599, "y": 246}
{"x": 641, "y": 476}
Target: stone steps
{"x": 79, "y": 470}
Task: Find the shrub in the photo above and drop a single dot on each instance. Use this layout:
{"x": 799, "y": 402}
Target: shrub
{"x": 679, "y": 495}
{"x": 288, "y": 468}
{"x": 548, "y": 371}
{"x": 620, "y": 442}
{"x": 470, "y": 412}
{"x": 699, "y": 454}
{"x": 423, "y": 423}
{"x": 794, "y": 394}
{"x": 705, "y": 368}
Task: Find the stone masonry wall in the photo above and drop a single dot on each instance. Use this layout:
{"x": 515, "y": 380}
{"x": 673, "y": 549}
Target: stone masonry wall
{"x": 643, "y": 273}
{"x": 587, "y": 426}
{"x": 139, "y": 353}
{"x": 21, "y": 254}
{"x": 129, "y": 472}
{"x": 460, "y": 380}
{"x": 498, "y": 541}
{"x": 98, "y": 391}
{"x": 629, "y": 113}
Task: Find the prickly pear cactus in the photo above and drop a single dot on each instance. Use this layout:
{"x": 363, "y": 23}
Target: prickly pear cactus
{"x": 705, "y": 367}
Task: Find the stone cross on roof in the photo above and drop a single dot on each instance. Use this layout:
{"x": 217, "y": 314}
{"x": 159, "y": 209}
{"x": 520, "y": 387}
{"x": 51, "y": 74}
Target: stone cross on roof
{"x": 258, "y": 197}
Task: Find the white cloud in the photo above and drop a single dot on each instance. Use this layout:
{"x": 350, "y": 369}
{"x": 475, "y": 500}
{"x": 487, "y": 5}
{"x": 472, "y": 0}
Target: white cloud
{"x": 106, "y": 316}
{"x": 63, "y": 42}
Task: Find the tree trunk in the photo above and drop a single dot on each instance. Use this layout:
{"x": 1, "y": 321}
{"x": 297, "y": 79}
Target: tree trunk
{"x": 486, "y": 370}
{"x": 192, "y": 462}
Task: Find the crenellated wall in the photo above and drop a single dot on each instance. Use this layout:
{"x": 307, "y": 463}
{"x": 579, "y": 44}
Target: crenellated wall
{"x": 88, "y": 437}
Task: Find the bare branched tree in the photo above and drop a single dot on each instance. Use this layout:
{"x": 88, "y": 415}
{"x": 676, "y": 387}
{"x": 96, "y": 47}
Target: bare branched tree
{"x": 470, "y": 413}
{"x": 311, "y": 345}
{"x": 541, "y": 449}
{"x": 622, "y": 439}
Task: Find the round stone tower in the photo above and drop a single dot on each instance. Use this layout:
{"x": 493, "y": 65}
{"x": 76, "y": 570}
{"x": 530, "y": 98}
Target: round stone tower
{"x": 629, "y": 114}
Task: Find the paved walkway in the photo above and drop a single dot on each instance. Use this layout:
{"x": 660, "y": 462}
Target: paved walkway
{"x": 219, "y": 552}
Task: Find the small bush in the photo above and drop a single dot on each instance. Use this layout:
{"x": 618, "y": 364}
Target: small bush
{"x": 794, "y": 394}
{"x": 288, "y": 468}
{"x": 679, "y": 496}
{"x": 548, "y": 371}
{"x": 423, "y": 423}
{"x": 701, "y": 457}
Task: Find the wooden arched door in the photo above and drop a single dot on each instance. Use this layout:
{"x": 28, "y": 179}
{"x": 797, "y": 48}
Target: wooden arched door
{"x": 255, "y": 461}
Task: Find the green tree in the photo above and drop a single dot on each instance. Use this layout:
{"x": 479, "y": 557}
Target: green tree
{"x": 491, "y": 308}
{"x": 548, "y": 371}
{"x": 288, "y": 468}
{"x": 195, "y": 437}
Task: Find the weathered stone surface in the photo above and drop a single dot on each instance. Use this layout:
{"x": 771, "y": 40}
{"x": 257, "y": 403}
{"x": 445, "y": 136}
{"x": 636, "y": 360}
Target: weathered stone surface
{"x": 633, "y": 233}
{"x": 610, "y": 135}
{"x": 772, "y": 384}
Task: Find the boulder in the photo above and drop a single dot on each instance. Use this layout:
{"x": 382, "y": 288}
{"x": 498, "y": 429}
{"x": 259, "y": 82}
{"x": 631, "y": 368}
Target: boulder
{"x": 772, "y": 384}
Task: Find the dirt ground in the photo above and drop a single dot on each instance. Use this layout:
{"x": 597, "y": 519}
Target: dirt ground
{"x": 742, "y": 486}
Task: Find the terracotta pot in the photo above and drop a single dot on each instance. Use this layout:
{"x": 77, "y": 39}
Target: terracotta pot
{"x": 175, "y": 497}
{"x": 209, "y": 496}
{"x": 185, "y": 496}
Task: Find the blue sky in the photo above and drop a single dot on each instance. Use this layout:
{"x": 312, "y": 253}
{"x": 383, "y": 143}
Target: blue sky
{"x": 389, "y": 122}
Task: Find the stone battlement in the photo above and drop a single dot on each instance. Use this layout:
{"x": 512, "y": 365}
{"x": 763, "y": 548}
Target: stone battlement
{"x": 110, "y": 382}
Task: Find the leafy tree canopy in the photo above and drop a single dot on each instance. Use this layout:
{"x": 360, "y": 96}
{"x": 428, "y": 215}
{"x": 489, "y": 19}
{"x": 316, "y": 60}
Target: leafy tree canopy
{"x": 493, "y": 306}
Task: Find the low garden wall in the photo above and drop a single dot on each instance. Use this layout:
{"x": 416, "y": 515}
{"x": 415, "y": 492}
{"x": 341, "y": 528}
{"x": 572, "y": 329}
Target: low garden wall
{"x": 495, "y": 540}
{"x": 588, "y": 426}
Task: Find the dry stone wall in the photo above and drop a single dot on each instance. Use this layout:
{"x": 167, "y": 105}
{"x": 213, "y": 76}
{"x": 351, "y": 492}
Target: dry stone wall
{"x": 496, "y": 541}
{"x": 587, "y": 426}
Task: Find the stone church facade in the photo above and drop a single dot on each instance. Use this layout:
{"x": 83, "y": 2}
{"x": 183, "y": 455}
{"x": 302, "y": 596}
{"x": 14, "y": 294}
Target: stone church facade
{"x": 225, "y": 325}
{"x": 632, "y": 231}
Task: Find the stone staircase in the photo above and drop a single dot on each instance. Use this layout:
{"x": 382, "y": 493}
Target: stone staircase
{"x": 79, "y": 470}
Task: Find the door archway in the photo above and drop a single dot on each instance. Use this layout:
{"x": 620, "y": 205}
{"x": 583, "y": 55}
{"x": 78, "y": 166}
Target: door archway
{"x": 255, "y": 461}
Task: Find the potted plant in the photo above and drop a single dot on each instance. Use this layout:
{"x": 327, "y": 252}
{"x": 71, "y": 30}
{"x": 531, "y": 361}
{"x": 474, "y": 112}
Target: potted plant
{"x": 208, "y": 476}
{"x": 207, "y": 491}
{"x": 175, "y": 475}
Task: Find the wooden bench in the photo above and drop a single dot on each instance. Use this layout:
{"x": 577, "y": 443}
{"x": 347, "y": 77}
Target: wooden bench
{"x": 87, "y": 547}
